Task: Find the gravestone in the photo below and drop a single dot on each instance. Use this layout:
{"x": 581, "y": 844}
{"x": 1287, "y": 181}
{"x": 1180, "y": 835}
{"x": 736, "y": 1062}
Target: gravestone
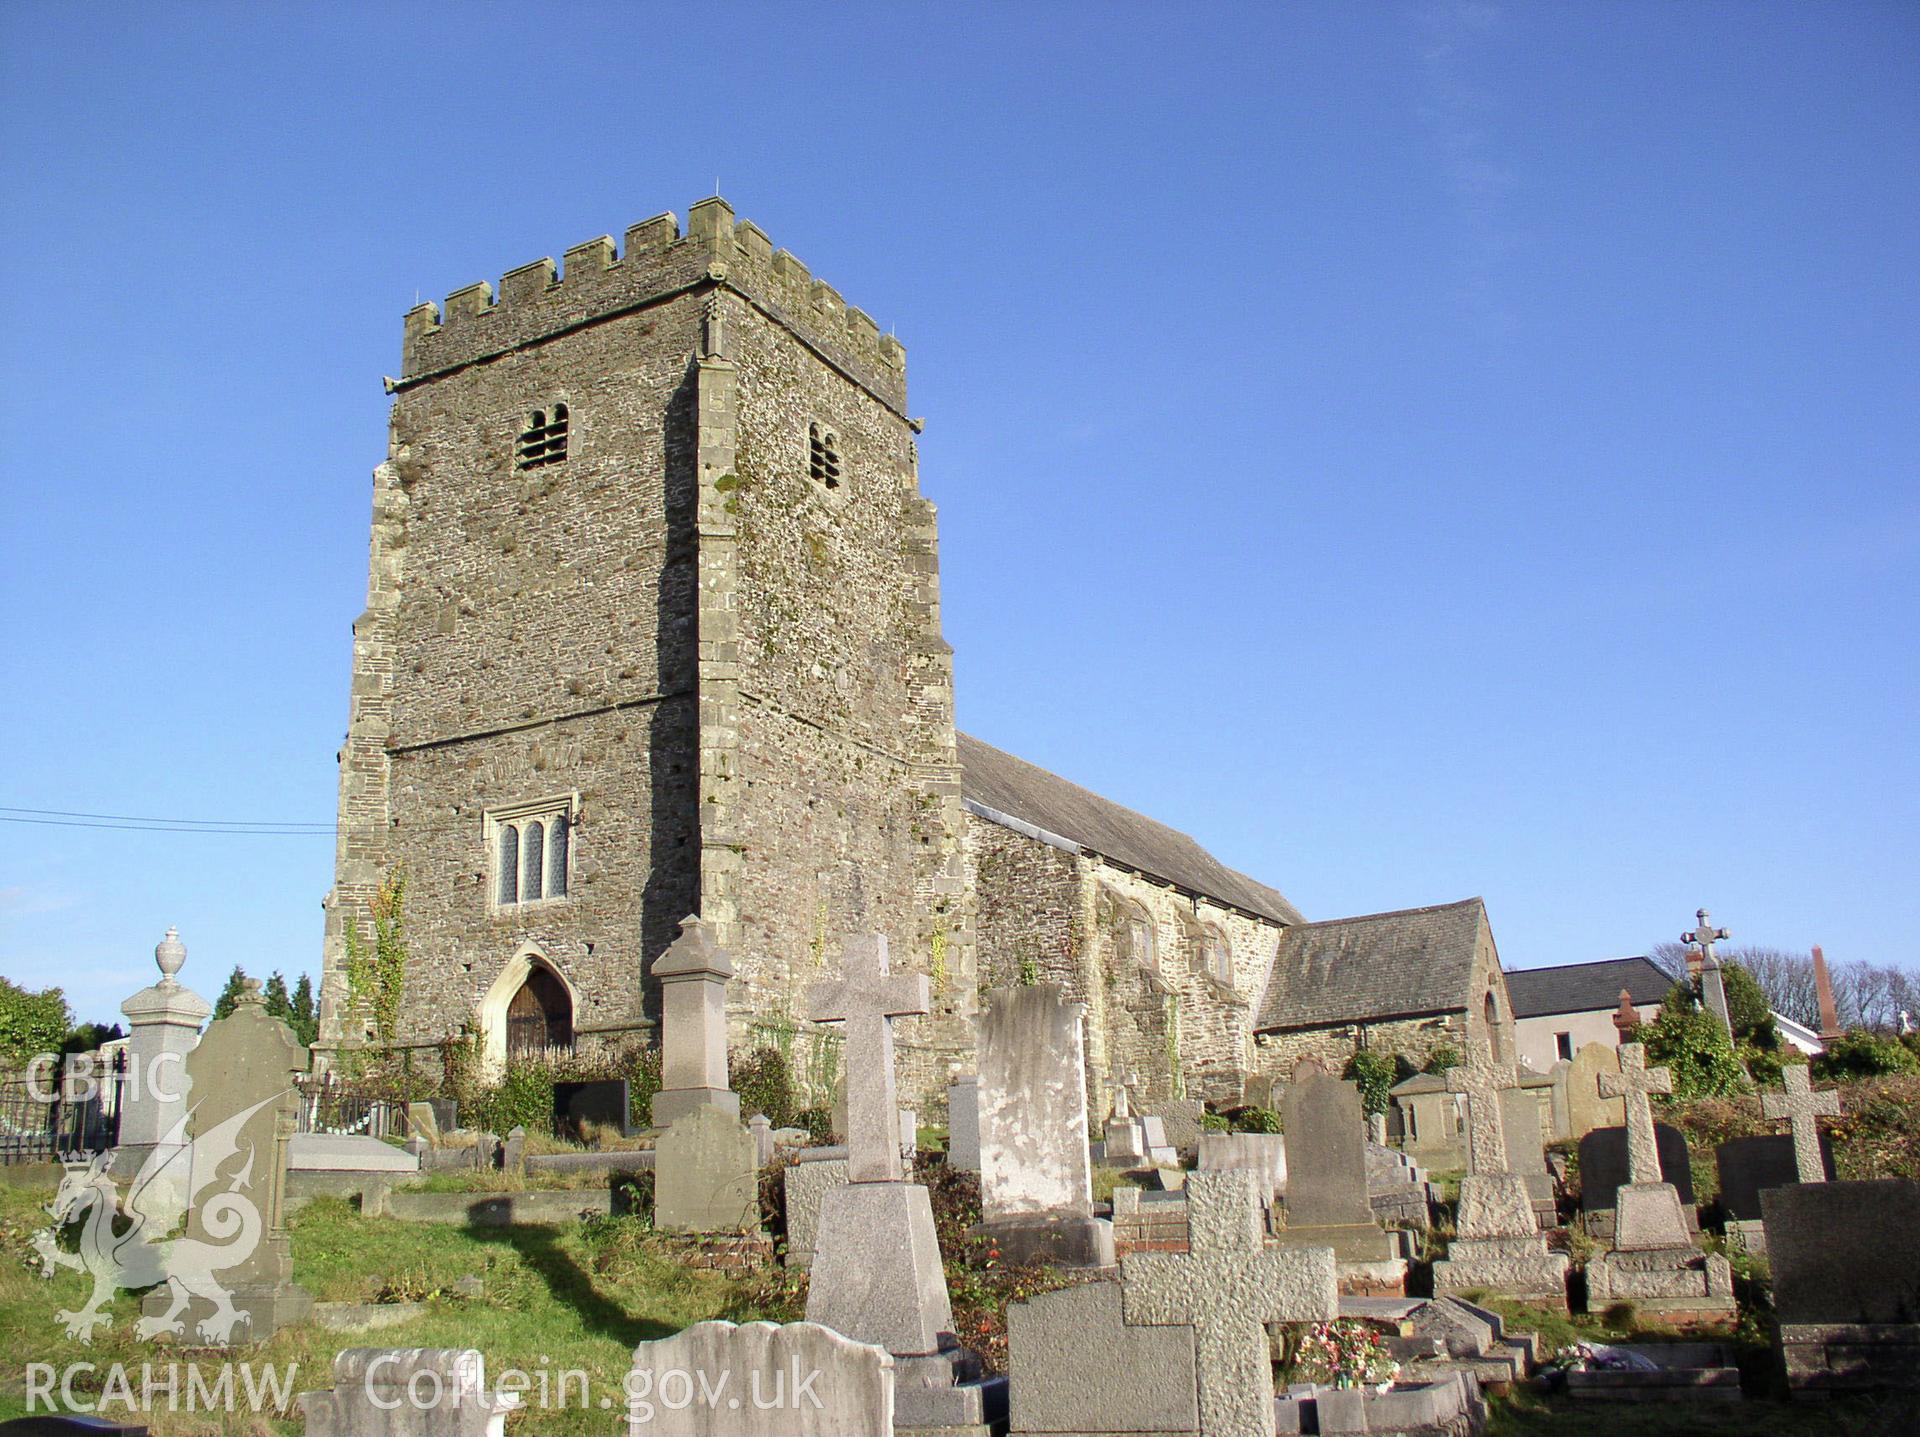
{"x": 1846, "y": 1285}
{"x": 1603, "y": 1165}
{"x": 876, "y": 1274}
{"x": 244, "y": 1106}
{"x": 1160, "y": 1151}
{"x": 1559, "y": 1103}
{"x": 714, "y": 1379}
{"x": 1075, "y": 1366}
{"x": 706, "y": 1174}
{"x": 761, "y": 1126}
{"x": 1802, "y": 1107}
{"x": 1181, "y": 1123}
{"x": 419, "y": 1391}
{"x": 693, "y": 975}
{"x": 1526, "y": 1148}
{"x": 1749, "y": 1165}
{"x": 1498, "y": 1244}
{"x": 1652, "y": 1261}
{"x": 1586, "y": 1108}
{"x": 164, "y": 1025}
{"x": 1429, "y": 1121}
{"x": 1036, "y": 1180}
{"x": 1647, "y": 1210}
{"x": 963, "y": 1124}
{"x": 807, "y": 1182}
{"x": 1227, "y": 1286}
{"x": 1264, "y": 1154}
{"x": 1327, "y": 1183}
{"x": 580, "y": 1106}
{"x": 423, "y": 1123}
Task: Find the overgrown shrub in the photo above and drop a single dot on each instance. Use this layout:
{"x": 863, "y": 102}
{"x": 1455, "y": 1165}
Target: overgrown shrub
{"x": 1860, "y": 1054}
{"x": 1442, "y": 1058}
{"x": 523, "y": 1098}
{"x": 1689, "y": 1040}
{"x": 818, "y": 1122}
{"x": 1252, "y": 1119}
{"x": 1373, "y": 1072}
{"x": 764, "y": 1081}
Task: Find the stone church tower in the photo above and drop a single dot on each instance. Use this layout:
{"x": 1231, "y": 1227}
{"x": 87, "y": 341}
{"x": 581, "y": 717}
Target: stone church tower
{"x": 652, "y": 629}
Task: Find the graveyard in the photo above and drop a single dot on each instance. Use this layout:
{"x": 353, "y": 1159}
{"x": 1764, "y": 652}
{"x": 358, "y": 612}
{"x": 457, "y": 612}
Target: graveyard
{"x": 585, "y": 858}
{"x": 1738, "y": 1264}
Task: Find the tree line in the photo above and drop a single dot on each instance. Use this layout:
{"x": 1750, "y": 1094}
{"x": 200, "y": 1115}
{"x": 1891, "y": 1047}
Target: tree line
{"x": 1868, "y": 995}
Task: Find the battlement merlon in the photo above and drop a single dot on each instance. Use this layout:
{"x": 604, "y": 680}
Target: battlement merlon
{"x": 657, "y": 262}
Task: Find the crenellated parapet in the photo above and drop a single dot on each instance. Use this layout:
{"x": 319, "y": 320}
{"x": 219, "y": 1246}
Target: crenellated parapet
{"x": 656, "y": 262}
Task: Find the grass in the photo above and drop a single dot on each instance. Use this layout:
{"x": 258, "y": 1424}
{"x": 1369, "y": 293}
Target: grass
{"x": 580, "y": 1297}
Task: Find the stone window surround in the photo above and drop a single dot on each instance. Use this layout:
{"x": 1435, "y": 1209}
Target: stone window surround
{"x": 516, "y": 816}
{"x": 823, "y": 439}
{"x": 544, "y": 436}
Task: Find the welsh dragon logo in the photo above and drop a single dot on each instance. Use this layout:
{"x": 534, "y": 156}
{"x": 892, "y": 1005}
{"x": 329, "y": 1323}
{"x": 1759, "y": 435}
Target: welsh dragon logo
{"x": 135, "y": 1251}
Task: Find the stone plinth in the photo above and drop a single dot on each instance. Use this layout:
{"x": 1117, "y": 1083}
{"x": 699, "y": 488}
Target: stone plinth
{"x": 706, "y": 1175}
{"x": 1674, "y": 1281}
{"x": 164, "y": 1026}
{"x": 693, "y": 975}
{"x": 876, "y": 1269}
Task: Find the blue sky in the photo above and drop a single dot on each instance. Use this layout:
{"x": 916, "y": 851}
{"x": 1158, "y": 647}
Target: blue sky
{"x": 1420, "y": 450}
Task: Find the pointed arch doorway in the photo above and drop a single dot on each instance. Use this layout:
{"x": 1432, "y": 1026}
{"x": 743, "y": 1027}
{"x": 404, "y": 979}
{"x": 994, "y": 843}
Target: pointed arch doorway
{"x": 528, "y": 1012}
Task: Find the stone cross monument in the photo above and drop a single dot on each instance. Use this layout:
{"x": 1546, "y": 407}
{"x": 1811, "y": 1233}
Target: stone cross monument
{"x": 1647, "y": 1210}
{"x": 693, "y": 975}
{"x": 165, "y": 1024}
{"x": 867, "y": 998}
{"x": 1712, "y": 988}
{"x": 1626, "y": 1018}
{"x": 1227, "y": 1286}
{"x": 1801, "y": 1106}
{"x": 876, "y": 1260}
{"x": 1499, "y": 1244}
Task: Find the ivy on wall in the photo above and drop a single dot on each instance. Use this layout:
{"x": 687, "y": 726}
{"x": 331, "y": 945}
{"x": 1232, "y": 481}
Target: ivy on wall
{"x": 377, "y": 975}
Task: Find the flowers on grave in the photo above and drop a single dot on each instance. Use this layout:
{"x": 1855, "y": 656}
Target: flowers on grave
{"x": 1345, "y": 1353}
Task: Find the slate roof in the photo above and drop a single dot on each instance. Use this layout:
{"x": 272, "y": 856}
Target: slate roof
{"x": 1382, "y": 965}
{"x": 1022, "y": 790}
{"x": 1585, "y": 987}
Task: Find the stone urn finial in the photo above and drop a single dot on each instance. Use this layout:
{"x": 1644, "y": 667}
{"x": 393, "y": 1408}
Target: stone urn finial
{"x": 249, "y": 991}
{"x": 170, "y": 954}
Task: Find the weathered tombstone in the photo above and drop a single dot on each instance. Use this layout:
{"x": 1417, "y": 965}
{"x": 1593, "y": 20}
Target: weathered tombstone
{"x": 1036, "y": 1181}
{"x": 1653, "y": 1262}
{"x": 579, "y": 1107}
{"x": 1263, "y": 1154}
{"x": 963, "y": 1123}
{"x": 1181, "y": 1119}
{"x": 877, "y": 1275}
{"x": 1586, "y": 1108}
{"x": 1429, "y": 1121}
{"x": 1227, "y": 1286}
{"x": 244, "y": 1108}
{"x": 1160, "y": 1151}
{"x": 1560, "y": 1103}
{"x": 693, "y": 975}
{"x": 423, "y": 1123}
{"x": 1802, "y": 1107}
{"x": 1498, "y": 1243}
{"x": 164, "y": 1022}
{"x": 1076, "y": 1367}
{"x": 1526, "y": 1149}
{"x": 1846, "y": 1284}
{"x": 909, "y": 1136}
{"x": 1603, "y": 1165}
{"x": 513, "y": 1151}
{"x": 1327, "y": 1182}
{"x": 706, "y": 1174}
{"x": 761, "y": 1126}
{"x": 760, "y": 1380}
{"x": 807, "y": 1182}
{"x": 437, "y": 1392}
